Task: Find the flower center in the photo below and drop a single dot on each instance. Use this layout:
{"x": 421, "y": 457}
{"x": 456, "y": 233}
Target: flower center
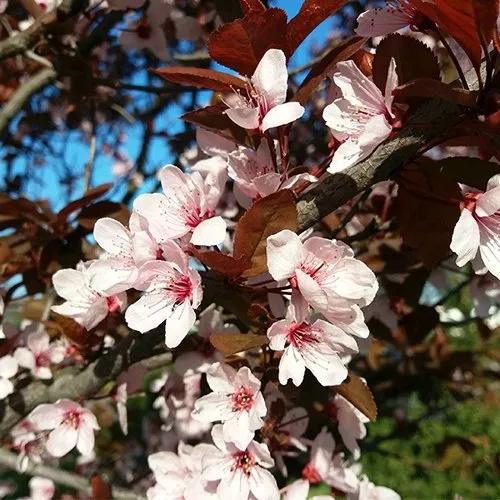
{"x": 73, "y": 418}
{"x": 242, "y": 400}
{"x": 300, "y": 334}
{"x": 144, "y": 29}
{"x": 113, "y": 305}
{"x": 243, "y": 461}
{"x": 182, "y": 289}
{"x": 42, "y": 359}
{"x": 206, "y": 349}
{"x": 311, "y": 474}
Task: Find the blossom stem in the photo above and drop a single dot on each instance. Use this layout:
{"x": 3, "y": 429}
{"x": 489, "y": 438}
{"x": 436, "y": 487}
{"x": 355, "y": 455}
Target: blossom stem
{"x": 272, "y": 150}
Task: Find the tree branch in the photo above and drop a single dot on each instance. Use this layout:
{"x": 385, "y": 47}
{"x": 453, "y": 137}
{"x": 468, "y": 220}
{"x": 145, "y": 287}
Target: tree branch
{"x": 11, "y": 460}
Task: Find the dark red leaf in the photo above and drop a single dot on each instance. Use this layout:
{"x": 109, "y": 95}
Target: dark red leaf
{"x": 201, "y": 78}
{"x": 231, "y": 343}
{"x": 486, "y": 13}
{"x": 104, "y": 208}
{"x": 364, "y": 61}
{"x": 100, "y": 488}
{"x": 413, "y": 60}
{"x": 85, "y": 200}
{"x": 214, "y": 119}
{"x": 322, "y": 69}
{"x": 434, "y": 89}
{"x": 357, "y": 393}
{"x": 223, "y": 264}
{"x": 241, "y": 44}
{"x": 264, "y": 218}
{"x": 311, "y": 14}
{"x": 248, "y": 5}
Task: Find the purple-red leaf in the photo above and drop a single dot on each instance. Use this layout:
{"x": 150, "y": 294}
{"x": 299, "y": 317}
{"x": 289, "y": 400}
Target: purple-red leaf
{"x": 256, "y": 5}
{"x": 231, "y": 343}
{"x": 223, "y": 264}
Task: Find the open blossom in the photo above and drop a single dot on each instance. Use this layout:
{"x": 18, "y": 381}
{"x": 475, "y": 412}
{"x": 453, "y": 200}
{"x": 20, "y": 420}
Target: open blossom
{"x": 172, "y": 292}
{"x": 186, "y": 207}
{"x": 386, "y": 20}
{"x": 216, "y": 147}
{"x": 41, "y": 488}
{"x": 326, "y": 274}
{"x": 241, "y": 474}
{"x": 362, "y": 118}
{"x": 70, "y": 425}
{"x": 254, "y": 174}
{"x": 265, "y": 106}
{"x": 8, "y": 369}
{"x": 477, "y": 232}
{"x": 178, "y": 475}
{"x": 315, "y": 346}
{"x": 39, "y": 354}
{"x": 83, "y": 303}
{"x": 236, "y": 401}
{"x": 368, "y": 491}
{"x": 351, "y": 424}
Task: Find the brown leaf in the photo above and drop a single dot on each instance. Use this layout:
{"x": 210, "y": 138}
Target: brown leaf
{"x": 72, "y": 330}
{"x": 85, "y": 200}
{"x": 248, "y": 5}
{"x": 322, "y": 69}
{"x": 358, "y": 394}
{"x": 486, "y": 13}
{"x": 231, "y": 343}
{"x": 413, "y": 60}
{"x": 104, "y": 208}
{"x": 213, "y": 118}
{"x": 455, "y": 17}
{"x": 427, "y": 210}
{"x": 241, "y": 44}
{"x": 434, "y": 89}
{"x": 201, "y": 78}
{"x": 419, "y": 323}
{"x": 100, "y": 489}
{"x": 264, "y": 218}
{"x": 223, "y": 264}
{"x": 311, "y": 14}
{"x": 364, "y": 61}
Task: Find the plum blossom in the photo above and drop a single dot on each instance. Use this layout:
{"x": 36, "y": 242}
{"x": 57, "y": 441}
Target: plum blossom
{"x": 41, "y": 488}
{"x": 69, "y": 424}
{"x": 84, "y": 303}
{"x": 8, "y": 369}
{"x": 186, "y": 207}
{"x": 39, "y": 354}
{"x": 477, "y": 232}
{"x": 179, "y": 475}
{"x": 385, "y": 20}
{"x": 216, "y": 147}
{"x": 315, "y": 346}
{"x": 368, "y": 491}
{"x": 265, "y": 106}
{"x": 241, "y": 474}
{"x": 236, "y": 400}
{"x": 172, "y": 292}
{"x": 255, "y": 177}
{"x": 362, "y": 118}
{"x": 121, "y": 407}
{"x": 351, "y": 424}
{"x": 327, "y": 275}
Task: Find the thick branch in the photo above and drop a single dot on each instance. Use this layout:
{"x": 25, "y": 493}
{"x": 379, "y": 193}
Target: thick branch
{"x": 9, "y": 459}
{"x": 93, "y": 377}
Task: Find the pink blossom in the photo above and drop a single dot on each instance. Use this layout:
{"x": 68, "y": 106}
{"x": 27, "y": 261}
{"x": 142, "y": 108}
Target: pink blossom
{"x": 265, "y": 105}
{"x": 186, "y": 207}
{"x": 172, "y": 292}
{"x": 362, "y": 118}
{"x": 351, "y": 424}
{"x": 84, "y": 303}
{"x": 41, "y": 488}
{"x": 70, "y": 425}
{"x": 327, "y": 275}
{"x": 121, "y": 407}
{"x": 217, "y": 149}
{"x": 241, "y": 474}
{"x": 386, "y": 20}
{"x": 179, "y": 475}
{"x": 40, "y": 354}
{"x": 477, "y": 232}
{"x": 236, "y": 401}
{"x": 368, "y": 491}
{"x": 8, "y": 369}
{"x": 315, "y": 346}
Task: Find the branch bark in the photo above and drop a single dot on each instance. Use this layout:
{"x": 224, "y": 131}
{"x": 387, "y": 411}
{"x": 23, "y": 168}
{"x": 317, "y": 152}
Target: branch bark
{"x": 10, "y": 460}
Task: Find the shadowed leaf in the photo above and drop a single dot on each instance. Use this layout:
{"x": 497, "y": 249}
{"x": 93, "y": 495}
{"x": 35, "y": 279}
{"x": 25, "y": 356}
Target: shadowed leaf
{"x": 358, "y": 394}
{"x": 231, "y": 343}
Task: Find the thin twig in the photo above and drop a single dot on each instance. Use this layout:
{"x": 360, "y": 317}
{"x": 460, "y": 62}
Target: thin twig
{"x": 89, "y": 166}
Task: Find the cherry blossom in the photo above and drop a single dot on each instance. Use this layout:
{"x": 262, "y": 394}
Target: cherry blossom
{"x": 8, "y": 369}
{"x": 386, "y": 20}
{"x": 265, "y": 105}
{"x": 236, "y": 401}
{"x": 179, "y": 475}
{"x": 172, "y": 292}
{"x": 477, "y": 232}
{"x": 217, "y": 149}
{"x": 368, "y": 491}
{"x": 186, "y": 207}
{"x": 362, "y": 118}
{"x": 242, "y": 473}
{"x": 83, "y": 303}
{"x": 327, "y": 275}
{"x": 39, "y": 354}
{"x": 69, "y": 424}
{"x": 351, "y": 424}
{"x": 315, "y": 346}
{"x": 121, "y": 407}
{"x": 41, "y": 488}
